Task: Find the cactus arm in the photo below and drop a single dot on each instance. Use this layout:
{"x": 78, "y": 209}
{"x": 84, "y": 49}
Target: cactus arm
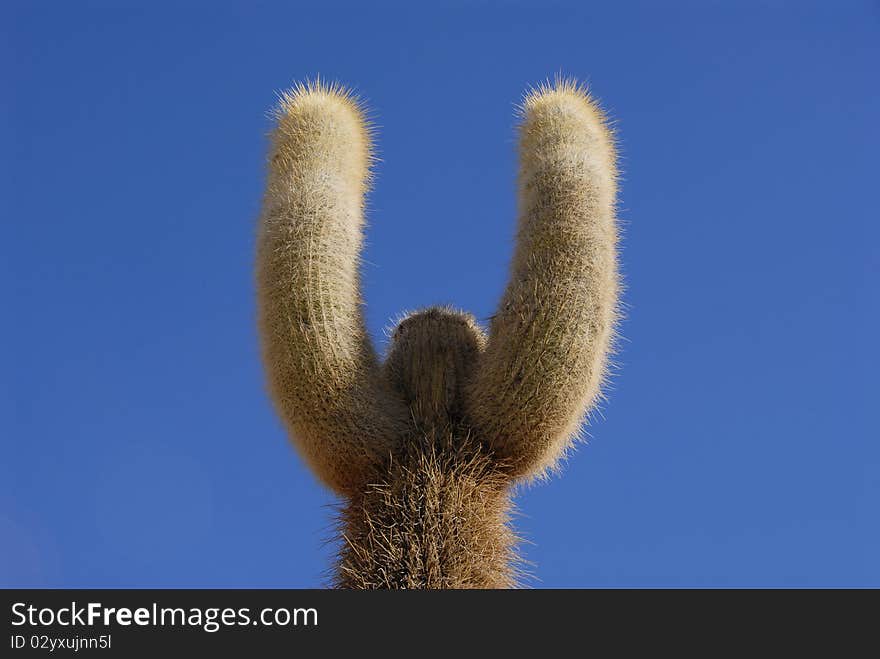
{"x": 549, "y": 341}
{"x": 323, "y": 373}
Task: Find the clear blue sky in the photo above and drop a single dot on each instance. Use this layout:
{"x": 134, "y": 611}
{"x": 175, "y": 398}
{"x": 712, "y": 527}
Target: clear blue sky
{"x": 740, "y": 443}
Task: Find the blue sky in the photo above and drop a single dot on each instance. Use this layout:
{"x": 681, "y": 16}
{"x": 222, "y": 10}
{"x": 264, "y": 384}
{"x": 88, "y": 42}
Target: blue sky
{"x": 739, "y": 446}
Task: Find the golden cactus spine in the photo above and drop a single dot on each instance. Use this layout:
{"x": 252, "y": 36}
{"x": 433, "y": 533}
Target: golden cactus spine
{"x": 424, "y": 448}
{"x": 550, "y": 338}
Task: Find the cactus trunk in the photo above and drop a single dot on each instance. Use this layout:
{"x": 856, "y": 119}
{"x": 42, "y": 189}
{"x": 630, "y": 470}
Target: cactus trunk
{"x": 437, "y": 519}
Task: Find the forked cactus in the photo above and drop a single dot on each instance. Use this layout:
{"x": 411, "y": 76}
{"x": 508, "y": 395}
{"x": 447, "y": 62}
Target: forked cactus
{"x": 425, "y": 447}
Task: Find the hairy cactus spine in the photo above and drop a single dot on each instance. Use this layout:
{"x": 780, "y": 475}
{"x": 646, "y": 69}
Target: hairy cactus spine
{"x": 550, "y": 338}
{"x": 323, "y": 371}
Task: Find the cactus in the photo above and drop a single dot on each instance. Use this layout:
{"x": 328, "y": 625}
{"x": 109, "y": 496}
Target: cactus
{"x": 425, "y": 446}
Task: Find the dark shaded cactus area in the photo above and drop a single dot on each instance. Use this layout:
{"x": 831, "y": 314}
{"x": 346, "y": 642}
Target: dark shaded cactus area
{"x": 425, "y": 446}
